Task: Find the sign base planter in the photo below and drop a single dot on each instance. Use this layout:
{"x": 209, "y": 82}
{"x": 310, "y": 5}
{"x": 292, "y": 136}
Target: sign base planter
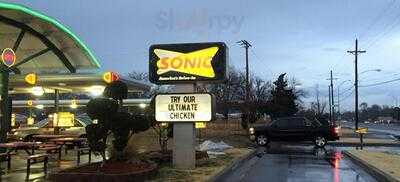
{"x": 166, "y": 158}
{"x": 111, "y": 171}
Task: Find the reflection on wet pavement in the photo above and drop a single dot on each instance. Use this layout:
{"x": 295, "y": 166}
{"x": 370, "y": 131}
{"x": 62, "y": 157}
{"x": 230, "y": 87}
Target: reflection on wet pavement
{"x": 288, "y": 162}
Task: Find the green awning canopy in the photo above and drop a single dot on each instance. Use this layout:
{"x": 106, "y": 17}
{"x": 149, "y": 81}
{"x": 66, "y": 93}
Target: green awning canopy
{"x": 42, "y": 44}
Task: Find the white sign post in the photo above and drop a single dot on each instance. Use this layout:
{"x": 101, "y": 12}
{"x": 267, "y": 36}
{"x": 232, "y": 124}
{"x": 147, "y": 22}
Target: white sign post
{"x": 184, "y": 153}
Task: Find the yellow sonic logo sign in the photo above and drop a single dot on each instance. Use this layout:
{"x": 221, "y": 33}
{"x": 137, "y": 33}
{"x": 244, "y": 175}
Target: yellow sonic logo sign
{"x": 194, "y": 63}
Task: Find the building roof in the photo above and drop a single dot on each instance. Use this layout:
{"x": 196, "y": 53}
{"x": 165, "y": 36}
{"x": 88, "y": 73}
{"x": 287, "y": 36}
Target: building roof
{"x": 72, "y": 82}
{"x": 41, "y": 43}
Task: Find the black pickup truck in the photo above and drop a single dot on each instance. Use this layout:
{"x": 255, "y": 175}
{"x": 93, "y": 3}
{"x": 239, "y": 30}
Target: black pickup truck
{"x": 295, "y": 129}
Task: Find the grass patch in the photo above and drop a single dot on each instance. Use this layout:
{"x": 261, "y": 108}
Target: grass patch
{"x": 389, "y": 163}
{"x": 205, "y": 168}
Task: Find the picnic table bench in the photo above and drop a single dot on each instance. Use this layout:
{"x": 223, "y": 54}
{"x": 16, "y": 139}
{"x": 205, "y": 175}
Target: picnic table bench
{"x": 7, "y": 157}
{"x": 37, "y": 158}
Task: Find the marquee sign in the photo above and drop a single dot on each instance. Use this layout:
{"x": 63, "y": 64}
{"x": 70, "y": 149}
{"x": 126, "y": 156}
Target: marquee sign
{"x": 188, "y": 63}
{"x": 184, "y": 107}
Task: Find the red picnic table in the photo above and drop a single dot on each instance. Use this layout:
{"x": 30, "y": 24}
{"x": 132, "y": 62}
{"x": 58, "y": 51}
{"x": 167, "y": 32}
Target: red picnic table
{"x": 49, "y": 137}
{"x": 15, "y": 146}
{"x": 64, "y": 140}
{"x": 74, "y": 141}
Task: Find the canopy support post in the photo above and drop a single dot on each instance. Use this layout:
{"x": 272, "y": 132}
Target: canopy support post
{"x": 18, "y": 41}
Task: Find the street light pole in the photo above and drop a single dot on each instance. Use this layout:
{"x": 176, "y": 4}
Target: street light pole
{"x": 338, "y": 98}
{"x": 355, "y": 53}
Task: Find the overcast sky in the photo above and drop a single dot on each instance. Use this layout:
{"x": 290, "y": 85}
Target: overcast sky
{"x": 304, "y": 38}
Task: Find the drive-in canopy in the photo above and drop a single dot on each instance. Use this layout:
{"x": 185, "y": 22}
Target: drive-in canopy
{"x": 72, "y": 83}
{"x": 41, "y": 43}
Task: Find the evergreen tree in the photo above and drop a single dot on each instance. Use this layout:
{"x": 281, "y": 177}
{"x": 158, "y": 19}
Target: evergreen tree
{"x": 283, "y": 102}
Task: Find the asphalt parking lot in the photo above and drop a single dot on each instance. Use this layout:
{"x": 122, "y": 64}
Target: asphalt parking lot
{"x": 291, "y": 162}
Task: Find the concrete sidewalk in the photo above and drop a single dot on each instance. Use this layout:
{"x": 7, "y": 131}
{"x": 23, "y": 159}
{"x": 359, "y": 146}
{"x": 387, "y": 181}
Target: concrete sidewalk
{"x": 350, "y": 138}
{"x": 17, "y": 172}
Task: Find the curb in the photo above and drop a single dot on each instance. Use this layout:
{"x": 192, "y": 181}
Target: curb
{"x": 370, "y": 169}
{"x": 233, "y": 166}
{"x": 349, "y": 144}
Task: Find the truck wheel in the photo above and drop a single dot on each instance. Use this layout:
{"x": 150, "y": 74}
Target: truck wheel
{"x": 261, "y": 140}
{"x": 320, "y": 141}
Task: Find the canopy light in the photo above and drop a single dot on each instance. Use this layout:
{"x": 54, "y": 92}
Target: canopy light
{"x": 109, "y": 77}
{"x": 37, "y": 91}
{"x": 29, "y": 103}
{"x": 40, "y": 106}
{"x": 96, "y": 90}
{"x": 142, "y": 105}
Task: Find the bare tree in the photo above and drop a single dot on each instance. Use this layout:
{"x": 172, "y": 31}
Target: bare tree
{"x": 318, "y": 107}
{"x": 144, "y": 77}
{"x": 229, "y": 92}
{"x": 260, "y": 91}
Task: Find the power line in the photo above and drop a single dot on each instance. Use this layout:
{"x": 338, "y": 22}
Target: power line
{"x": 381, "y": 83}
{"x": 261, "y": 62}
{"x": 386, "y": 30}
{"x": 377, "y": 18}
{"x": 348, "y": 89}
{"x": 369, "y": 27}
{"x": 347, "y": 96}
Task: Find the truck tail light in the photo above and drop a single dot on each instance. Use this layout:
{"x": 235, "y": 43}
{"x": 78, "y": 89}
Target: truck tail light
{"x": 336, "y": 130}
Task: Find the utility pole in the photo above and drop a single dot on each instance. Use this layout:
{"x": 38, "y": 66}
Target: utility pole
{"x": 332, "y": 99}
{"x": 355, "y": 53}
{"x": 330, "y": 106}
{"x": 338, "y": 103}
{"x": 246, "y": 45}
{"x": 318, "y": 103}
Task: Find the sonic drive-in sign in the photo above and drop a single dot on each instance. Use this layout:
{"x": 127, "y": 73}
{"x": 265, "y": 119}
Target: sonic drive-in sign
{"x": 188, "y": 63}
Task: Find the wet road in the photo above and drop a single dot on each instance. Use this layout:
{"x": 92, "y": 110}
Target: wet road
{"x": 392, "y": 129}
{"x": 282, "y": 162}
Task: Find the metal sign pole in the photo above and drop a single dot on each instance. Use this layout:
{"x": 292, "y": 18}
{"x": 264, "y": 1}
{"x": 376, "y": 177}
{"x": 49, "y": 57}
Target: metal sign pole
{"x": 4, "y": 118}
{"x": 184, "y": 154}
